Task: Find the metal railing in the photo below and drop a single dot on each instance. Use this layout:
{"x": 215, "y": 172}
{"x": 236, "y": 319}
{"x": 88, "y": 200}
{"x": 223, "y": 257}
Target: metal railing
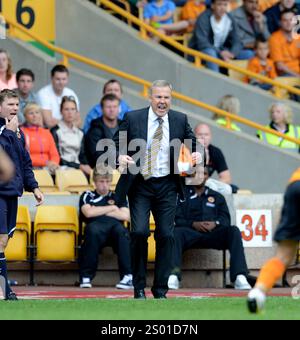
{"x": 67, "y": 55}
{"x": 145, "y": 28}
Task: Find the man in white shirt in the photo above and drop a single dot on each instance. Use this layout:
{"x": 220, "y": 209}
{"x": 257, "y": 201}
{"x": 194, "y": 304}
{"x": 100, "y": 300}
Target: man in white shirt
{"x": 216, "y": 35}
{"x": 50, "y": 96}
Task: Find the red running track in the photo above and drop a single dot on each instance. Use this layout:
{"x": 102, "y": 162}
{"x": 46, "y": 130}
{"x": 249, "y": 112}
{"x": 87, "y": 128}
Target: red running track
{"x": 41, "y": 293}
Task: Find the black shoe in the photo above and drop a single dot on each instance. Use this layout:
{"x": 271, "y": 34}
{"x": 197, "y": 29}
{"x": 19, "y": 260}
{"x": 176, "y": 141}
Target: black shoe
{"x": 162, "y": 296}
{"x": 159, "y": 293}
{"x": 139, "y": 294}
{"x": 11, "y": 297}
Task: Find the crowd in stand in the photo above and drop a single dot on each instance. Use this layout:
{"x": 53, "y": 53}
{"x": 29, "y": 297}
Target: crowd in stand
{"x": 262, "y": 32}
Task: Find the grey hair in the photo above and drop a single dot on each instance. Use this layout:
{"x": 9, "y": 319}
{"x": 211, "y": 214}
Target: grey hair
{"x": 160, "y": 83}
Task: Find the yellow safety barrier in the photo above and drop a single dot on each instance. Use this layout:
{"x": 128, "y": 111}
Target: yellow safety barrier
{"x": 146, "y": 84}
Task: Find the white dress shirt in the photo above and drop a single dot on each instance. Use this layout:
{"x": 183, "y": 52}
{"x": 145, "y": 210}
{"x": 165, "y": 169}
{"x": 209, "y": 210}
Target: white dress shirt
{"x": 162, "y": 166}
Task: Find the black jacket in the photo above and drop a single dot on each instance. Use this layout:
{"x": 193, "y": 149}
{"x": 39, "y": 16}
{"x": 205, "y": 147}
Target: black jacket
{"x": 96, "y": 133}
{"x": 210, "y": 206}
{"x": 14, "y": 145}
{"x": 135, "y": 124}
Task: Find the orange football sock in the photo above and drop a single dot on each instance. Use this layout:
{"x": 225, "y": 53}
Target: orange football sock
{"x": 270, "y": 273}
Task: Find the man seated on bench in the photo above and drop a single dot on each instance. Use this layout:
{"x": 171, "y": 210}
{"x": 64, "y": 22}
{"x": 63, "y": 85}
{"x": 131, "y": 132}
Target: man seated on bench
{"x": 203, "y": 221}
{"x": 104, "y": 228}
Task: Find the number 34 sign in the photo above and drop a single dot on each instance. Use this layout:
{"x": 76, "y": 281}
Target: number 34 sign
{"x": 255, "y": 227}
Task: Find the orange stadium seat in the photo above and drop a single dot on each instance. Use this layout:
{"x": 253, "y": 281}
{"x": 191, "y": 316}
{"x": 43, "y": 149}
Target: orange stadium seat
{"x": 17, "y": 249}
{"x": 55, "y": 232}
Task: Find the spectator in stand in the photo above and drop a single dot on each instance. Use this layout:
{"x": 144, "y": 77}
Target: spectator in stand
{"x": 104, "y": 227}
{"x": 159, "y": 11}
{"x": 281, "y": 121}
{"x": 69, "y": 138}
{"x": 102, "y": 128}
{"x": 25, "y": 80}
{"x": 111, "y": 87}
{"x": 273, "y": 14}
{"x": 215, "y": 161}
{"x": 251, "y": 25}
{"x": 7, "y": 76}
{"x": 215, "y": 34}
{"x": 186, "y": 23}
{"x": 284, "y": 47}
{"x": 232, "y": 105}
{"x": 39, "y": 141}
{"x": 262, "y": 65}
{"x": 190, "y": 12}
{"x": 50, "y": 96}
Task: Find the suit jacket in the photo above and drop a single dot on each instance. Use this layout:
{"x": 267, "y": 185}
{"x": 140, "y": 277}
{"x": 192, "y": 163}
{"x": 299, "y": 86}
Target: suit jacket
{"x": 136, "y": 126}
{"x": 247, "y": 33}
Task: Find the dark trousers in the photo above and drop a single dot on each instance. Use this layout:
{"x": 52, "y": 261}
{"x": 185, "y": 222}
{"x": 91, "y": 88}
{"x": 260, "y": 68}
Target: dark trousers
{"x": 99, "y": 235}
{"x": 220, "y": 238}
{"x": 158, "y": 195}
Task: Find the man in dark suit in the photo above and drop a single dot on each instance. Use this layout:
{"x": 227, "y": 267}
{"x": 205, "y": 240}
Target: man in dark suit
{"x": 152, "y": 181}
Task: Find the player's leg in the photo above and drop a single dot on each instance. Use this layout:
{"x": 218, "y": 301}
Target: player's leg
{"x": 272, "y": 271}
{"x": 287, "y": 236}
{"x": 10, "y": 212}
{"x": 3, "y": 268}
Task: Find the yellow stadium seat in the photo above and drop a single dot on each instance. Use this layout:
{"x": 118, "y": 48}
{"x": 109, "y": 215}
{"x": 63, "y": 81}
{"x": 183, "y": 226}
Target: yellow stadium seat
{"x": 17, "y": 249}
{"x": 291, "y": 81}
{"x": 45, "y": 180}
{"x": 60, "y": 193}
{"x": 56, "y": 229}
{"x": 237, "y": 75}
{"x": 151, "y": 240}
{"x": 151, "y": 248}
{"x": 72, "y": 180}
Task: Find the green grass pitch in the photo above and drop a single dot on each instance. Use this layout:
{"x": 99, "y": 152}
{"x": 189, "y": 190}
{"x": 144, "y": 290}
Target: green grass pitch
{"x": 129, "y": 309}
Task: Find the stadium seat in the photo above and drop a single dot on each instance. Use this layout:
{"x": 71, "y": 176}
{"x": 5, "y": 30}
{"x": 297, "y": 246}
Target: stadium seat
{"x": 244, "y": 192}
{"x": 17, "y": 249}
{"x": 60, "y": 193}
{"x": 55, "y": 233}
{"x": 72, "y": 180}
{"x": 291, "y": 81}
{"x": 237, "y": 75}
{"x": 45, "y": 180}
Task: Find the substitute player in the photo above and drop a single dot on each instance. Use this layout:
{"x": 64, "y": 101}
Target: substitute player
{"x": 288, "y": 237}
{"x": 13, "y": 143}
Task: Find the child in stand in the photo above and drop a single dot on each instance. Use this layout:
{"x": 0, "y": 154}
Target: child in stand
{"x": 262, "y": 65}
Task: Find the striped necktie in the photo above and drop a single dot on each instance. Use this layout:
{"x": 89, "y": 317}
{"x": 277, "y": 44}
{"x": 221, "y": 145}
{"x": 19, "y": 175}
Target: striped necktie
{"x": 152, "y": 152}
